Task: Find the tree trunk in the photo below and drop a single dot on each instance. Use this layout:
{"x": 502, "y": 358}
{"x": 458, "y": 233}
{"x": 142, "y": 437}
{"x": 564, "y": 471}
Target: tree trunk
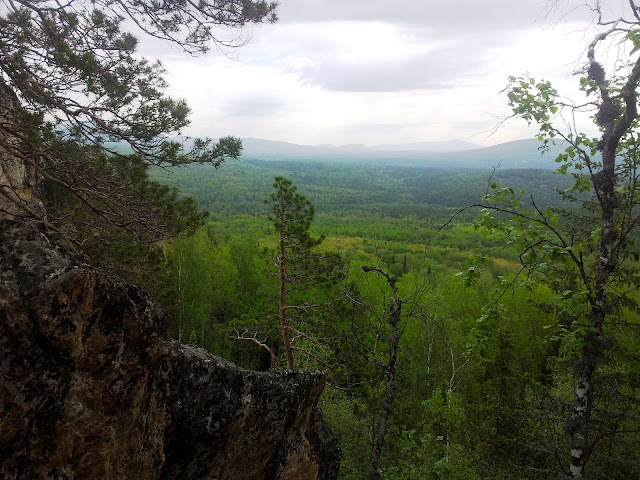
{"x": 282, "y": 303}
{"x": 391, "y": 386}
{"x": 580, "y": 420}
{"x": 579, "y": 423}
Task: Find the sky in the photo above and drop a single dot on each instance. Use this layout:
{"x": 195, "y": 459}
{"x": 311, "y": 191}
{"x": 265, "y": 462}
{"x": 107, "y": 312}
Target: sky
{"x": 379, "y": 72}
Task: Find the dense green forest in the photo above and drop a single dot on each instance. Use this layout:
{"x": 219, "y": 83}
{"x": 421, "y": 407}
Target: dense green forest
{"x": 342, "y": 189}
{"x": 483, "y": 369}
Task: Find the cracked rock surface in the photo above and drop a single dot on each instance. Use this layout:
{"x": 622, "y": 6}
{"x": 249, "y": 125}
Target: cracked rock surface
{"x": 91, "y": 386}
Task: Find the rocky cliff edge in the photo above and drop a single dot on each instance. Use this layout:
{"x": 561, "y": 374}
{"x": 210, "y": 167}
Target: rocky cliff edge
{"x": 91, "y": 386}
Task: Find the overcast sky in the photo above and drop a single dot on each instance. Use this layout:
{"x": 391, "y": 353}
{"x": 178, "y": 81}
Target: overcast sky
{"x": 378, "y": 71}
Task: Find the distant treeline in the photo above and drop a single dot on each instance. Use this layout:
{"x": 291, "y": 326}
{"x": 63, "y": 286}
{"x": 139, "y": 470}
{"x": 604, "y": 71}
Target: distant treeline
{"x": 339, "y": 189}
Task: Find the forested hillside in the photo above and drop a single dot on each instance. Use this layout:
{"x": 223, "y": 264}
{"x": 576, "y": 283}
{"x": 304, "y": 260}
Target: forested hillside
{"x": 341, "y": 189}
{"x": 482, "y": 369}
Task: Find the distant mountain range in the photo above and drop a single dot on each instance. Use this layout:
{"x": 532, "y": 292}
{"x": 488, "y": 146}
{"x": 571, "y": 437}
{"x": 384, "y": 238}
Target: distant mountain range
{"x": 448, "y": 146}
{"x": 454, "y": 154}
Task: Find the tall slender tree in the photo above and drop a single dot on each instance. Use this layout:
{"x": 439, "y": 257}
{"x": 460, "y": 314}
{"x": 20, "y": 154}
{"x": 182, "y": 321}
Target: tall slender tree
{"x": 391, "y": 315}
{"x": 292, "y": 214}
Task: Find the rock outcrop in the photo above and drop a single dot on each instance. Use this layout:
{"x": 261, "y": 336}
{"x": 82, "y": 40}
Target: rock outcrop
{"x": 92, "y": 387}
{"x": 17, "y": 178}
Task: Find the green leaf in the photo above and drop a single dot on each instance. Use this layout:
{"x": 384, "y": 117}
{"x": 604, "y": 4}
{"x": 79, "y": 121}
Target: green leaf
{"x": 634, "y": 36}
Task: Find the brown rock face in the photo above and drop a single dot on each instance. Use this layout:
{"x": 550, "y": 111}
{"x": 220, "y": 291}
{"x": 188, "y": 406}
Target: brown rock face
{"x": 17, "y": 179}
{"x": 92, "y": 387}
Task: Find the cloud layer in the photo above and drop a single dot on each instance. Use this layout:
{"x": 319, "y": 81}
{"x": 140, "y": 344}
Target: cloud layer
{"x": 374, "y": 71}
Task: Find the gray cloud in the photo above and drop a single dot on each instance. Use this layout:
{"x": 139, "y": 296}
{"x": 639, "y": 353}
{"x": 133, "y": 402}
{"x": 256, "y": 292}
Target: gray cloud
{"x": 321, "y": 47}
{"x": 455, "y": 16}
{"x": 253, "y": 106}
{"x": 381, "y": 126}
{"x": 465, "y": 32}
{"x": 444, "y": 68}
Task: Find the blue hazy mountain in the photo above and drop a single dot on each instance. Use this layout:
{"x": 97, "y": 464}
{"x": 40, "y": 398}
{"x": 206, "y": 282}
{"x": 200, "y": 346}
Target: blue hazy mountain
{"x": 454, "y": 154}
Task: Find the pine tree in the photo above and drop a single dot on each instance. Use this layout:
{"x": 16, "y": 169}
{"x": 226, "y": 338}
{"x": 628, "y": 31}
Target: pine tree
{"x": 295, "y": 259}
{"x": 74, "y": 96}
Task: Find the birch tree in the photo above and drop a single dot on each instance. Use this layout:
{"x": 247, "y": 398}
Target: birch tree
{"x": 587, "y": 252}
